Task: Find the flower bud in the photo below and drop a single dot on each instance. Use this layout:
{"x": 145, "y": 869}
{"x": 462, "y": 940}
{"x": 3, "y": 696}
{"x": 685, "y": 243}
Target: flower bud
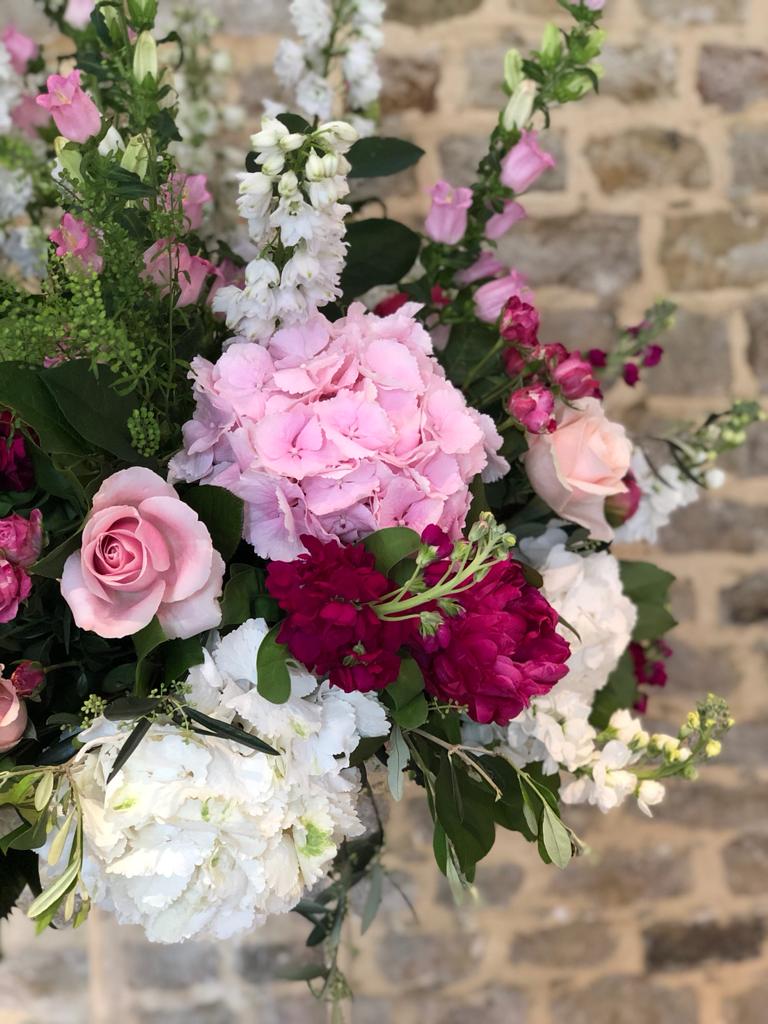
{"x": 112, "y": 142}
{"x": 136, "y": 156}
{"x": 314, "y": 169}
{"x": 586, "y": 48}
{"x": 551, "y": 46}
{"x": 518, "y": 110}
{"x": 145, "y": 57}
{"x": 513, "y": 69}
{"x": 27, "y": 677}
{"x": 573, "y": 87}
{"x": 713, "y": 748}
{"x": 142, "y": 13}
{"x": 69, "y": 158}
{"x": 288, "y": 184}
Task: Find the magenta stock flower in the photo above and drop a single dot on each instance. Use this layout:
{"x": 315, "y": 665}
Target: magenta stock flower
{"x": 447, "y": 219}
{"x": 500, "y": 223}
{"x": 525, "y": 163}
{"x": 621, "y": 507}
{"x": 21, "y": 48}
{"x": 520, "y": 322}
{"x": 190, "y": 191}
{"x": 168, "y": 262}
{"x": 73, "y": 237}
{"x": 491, "y": 298}
{"x": 630, "y": 373}
{"x": 500, "y": 650}
{"x": 21, "y": 539}
{"x": 597, "y": 357}
{"x": 652, "y": 355}
{"x": 15, "y": 587}
{"x": 486, "y": 265}
{"x": 13, "y": 716}
{"x": 16, "y": 470}
{"x": 330, "y": 625}
{"x": 533, "y": 406}
{"x": 76, "y": 115}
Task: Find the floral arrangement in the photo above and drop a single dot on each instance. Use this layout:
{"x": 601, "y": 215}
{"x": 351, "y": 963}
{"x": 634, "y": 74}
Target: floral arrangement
{"x": 290, "y": 516}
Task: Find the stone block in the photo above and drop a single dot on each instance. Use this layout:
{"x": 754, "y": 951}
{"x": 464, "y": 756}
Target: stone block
{"x": 732, "y": 77}
{"x": 671, "y": 946}
{"x": 648, "y": 158}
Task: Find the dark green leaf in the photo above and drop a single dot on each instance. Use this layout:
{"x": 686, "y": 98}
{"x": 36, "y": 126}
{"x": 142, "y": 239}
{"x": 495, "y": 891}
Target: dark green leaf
{"x": 373, "y": 900}
{"x": 381, "y": 251}
{"x": 378, "y": 157}
{"x": 147, "y": 639}
{"x": 470, "y": 828}
{"x": 399, "y": 756}
{"x": 126, "y": 708}
{"x": 18, "y": 869}
{"x": 274, "y": 681}
{"x": 555, "y": 838}
{"x": 140, "y": 730}
{"x": 244, "y": 597}
{"x": 467, "y": 345}
{"x": 52, "y": 565}
{"x": 229, "y": 732}
{"x": 647, "y": 587}
{"x": 126, "y": 184}
{"x": 295, "y": 123}
{"x": 619, "y": 692}
{"x": 22, "y": 391}
{"x": 179, "y": 656}
{"x": 222, "y": 513}
{"x": 365, "y": 749}
{"x": 391, "y": 545}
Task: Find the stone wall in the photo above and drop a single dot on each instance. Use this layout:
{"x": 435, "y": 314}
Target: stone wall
{"x": 661, "y": 190}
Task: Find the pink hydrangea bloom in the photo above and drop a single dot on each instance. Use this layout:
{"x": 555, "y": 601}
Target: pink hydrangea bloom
{"x": 525, "y": 163}
{"x": 191, "y": 191}
{"x": 447, "y": 219}
{"x": 73, "y": 238}
{"x": 500, "y": 223}
{"x": 76, "y": 115}
{"x": 491, "y": 298}
{"x": 335, "y": 430}
{"x": 21, "y": 48}
{"x": 78, "y": 12}
{"x": 166, "y": 262}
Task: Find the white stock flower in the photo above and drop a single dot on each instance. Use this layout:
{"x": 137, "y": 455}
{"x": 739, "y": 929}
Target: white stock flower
{"x": 661, "y": 499}
{"x": 608, "y": 784}
{"x": 554, "y": 730}
{"x": 199, "y": 836}
{"x": 586, "y": 591}
{"x": 649, "y": 794}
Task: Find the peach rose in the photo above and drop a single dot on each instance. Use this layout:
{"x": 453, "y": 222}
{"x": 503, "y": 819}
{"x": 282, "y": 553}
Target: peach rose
{"x": 144, "y": 553}
{"x": 581, "y": 463}
{"x": 13, "y": 716}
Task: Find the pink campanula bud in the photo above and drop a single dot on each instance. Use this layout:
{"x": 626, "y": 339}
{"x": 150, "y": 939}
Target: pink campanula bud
{"x": 78, "y": 12}
{"x": 447, "y": 219}
{"x": 491, "y": 298}
{"x": 76, "y": 115}
{"x": 21, "y": 540}
{"x": 533, "y": 407}
{"x": 499, "y": 223}
{"x": 27, "y": 677}
{"x": 166, "y": 262}
{"x": 525, "y": 163}
{"x": 486, "y": 265}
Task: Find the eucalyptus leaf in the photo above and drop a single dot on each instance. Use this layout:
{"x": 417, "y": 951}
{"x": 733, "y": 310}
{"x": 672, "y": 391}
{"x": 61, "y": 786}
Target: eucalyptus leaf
{"x": 555, "y": 838}
{"x": 373, "y": 899}
{"x": 399, "y": 755}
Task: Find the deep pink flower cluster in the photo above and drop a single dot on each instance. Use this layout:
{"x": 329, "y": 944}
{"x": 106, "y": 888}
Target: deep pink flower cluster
{"x": 543, "y": 372}
{"x": 16, "y": 471}
{"x": 649, "y": 667}
{"x": 499, "y": 651}
{"x": 650, "y": 356}
{"x": 21, "y": 541}
{"x": 336, "y": 430}
{"x": 330, "y": 625}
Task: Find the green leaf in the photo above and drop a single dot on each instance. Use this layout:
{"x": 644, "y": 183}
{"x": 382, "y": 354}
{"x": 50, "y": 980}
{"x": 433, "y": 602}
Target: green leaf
{"x": 147, "y": 639}
{"x": 52, "y": 565}
{"x": 366, "y": 748}
{"x": 55, "y": 892}
{"x": 273, "y": 678}
{"x": 229, "y": 732}
{"x": 129, "y": 747}
{"x": 22, "y": 391}
{"x": 373, "y": 900}
{"x": 399, "y": 756}
{"x": 555, "y": 838}
{"x": 381, "y": 251}
{"x": 391, "y": 545}
{"x": 410, "y": 708}
{"x": 302, "y": 972}
{"x": 619, "y": 692}
{"x": 92, "y": 407}
{"x": 467, "y": 345}
{"x": 295, "y": 123}
{"x": 245, "y": 598}
{"x": 468, "y": 821}
{"x": 124, "y": 709}
{"x": 126, "y": 184}
{"x": 179, "y": 656}
{"x": 222, "y": 513}
{"x": 378, "y": 157}
{"x": 647, "y": 586}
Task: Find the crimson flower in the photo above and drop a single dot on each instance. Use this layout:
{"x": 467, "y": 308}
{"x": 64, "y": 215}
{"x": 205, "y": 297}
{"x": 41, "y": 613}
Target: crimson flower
{"x": 16, "y": 471}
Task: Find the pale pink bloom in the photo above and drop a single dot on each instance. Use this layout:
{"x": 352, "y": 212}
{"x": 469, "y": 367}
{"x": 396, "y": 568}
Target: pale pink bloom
{"x": 500, "y": 223}
{"x": 21, "y": 48}
{"x": 21, "y": 540}
{"x": 13, "y": 716}
{"x": 15, "y": 587}
{"x": 27, "y": 116}
{"x": 404, "y": 503}
{"x": 486, "y": 265}
{"x": 241, "y": 379}
{"x": 190, "y": 190}
{"x": 144, "y": 553}
{"x": 76, "y": 115}
{"x": 275, "y": 515}
{"x": 450, "y": 421}
{"x": 327, "y": 495}
{"x": 447, "y": 219}
{"x": 576, "y": 467}
{"x": 525, "y": 163}
{"x": 73, "y": 238}
{"x": 78, "y": 12}
{"x": 594, "y": 5}
{"x": 355, "y": 424}
{"x": 293, "y": 444}
{"x": 168, "y": 262}
{"x": 491, "y": 298}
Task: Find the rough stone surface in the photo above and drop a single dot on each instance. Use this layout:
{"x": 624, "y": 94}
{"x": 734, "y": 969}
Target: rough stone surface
{"x": 716, "y": 250}
{"x": 757, "y": 321}
{"x": 211, "y": 1013}
{"x": 172, "y": 966}
{"x": 614, "y": 877}
{"x": 460, "y": 155}
{"x": 746, "y": 864}
{"x": 259, "y": 964}
{"x": 747, "y": 600}
{"x": 694, "y": 12}
{"x": 749, "y": 151}
{"x": 747, "y": 1007}
{"x": 425, "y": 961}
{"x": 733, "y": 77}
{"x": 719, "y": 525}
{"x": 637, "y": 73}
{"x": 409, "y": 83}
{"x": 485, "y": 73}
{"x": 648, "y": 158}
{"x": 696, "y": 358}
{"x": 578, "y": 328}
{"x": 709, "y": 806}
{"x": 427, "y": 11}
{"x": 578, "y": 944}
{"x": 622, "y": 999}
{"x": 496, "y": 1005}
{"x": 672, "y": 946}
{"x": 695, "y": 668}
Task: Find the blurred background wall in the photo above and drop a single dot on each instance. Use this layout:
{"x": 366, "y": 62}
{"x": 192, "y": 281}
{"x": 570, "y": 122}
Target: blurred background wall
{"x": 661, "y": 189}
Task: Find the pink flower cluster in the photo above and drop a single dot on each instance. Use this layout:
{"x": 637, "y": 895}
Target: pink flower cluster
{"x": 21, "y": 541}
{"x": 73, "y": 238}
{"x": 335, "y": 430}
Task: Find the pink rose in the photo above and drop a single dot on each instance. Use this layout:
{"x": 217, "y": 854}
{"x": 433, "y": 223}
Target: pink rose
{"x": 144, "y": 553}
{"x": 76, "y": 115}
{"x": 447, "y": 219}
{"x": 525, "y": 163}
{"x": 500, "y": 223}
{"x": 13, "y": 716}
{"x": 15, "y": 587}
{"x": 166, "y": 262}
{"x": 21, "y": 539}
{"x": 21, "y": 49}
{"x": 27, "y": 677}
{"x": 73, "y": 238}
{"x": 584, "y": 461}
{"x": 492, "y": 297}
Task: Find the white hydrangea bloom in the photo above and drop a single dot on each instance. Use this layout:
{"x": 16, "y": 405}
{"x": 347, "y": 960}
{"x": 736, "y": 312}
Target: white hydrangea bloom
{"x": 661, "y": 499}
{"x": 586, "y": 591}
{"x": 198, "y": 836}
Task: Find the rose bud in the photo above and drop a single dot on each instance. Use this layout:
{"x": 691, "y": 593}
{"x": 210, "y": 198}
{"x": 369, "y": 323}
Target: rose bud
{"x": 21, "y": 540}
{"x": 13, "y": 716}
{"x": 27, "y": 677}
{"x": 621, "y": 507}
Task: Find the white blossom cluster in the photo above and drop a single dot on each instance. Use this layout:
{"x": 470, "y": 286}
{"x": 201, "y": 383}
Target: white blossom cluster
{"x": 296, "y": 223}
{"x": 348, "y": 29}
{"x": 664, "y": 492}
{"x": 198, "y": 835}
{"x": 10, "y": 89}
